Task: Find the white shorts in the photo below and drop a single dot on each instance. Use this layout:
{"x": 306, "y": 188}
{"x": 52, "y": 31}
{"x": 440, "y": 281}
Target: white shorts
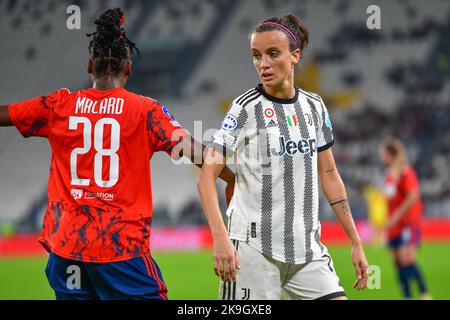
{"x": 264, "y": 278}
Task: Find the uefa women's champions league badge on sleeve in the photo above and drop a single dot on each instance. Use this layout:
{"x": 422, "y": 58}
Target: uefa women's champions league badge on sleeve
{"x": 328, "y": 121}
{"x": 229, "y": 123}
{"x": 174, "y": 122}
{"x": 167, "y": 113}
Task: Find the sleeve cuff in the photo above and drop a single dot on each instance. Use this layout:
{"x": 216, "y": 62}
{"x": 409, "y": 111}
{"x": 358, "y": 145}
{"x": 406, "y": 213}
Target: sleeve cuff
{"x": 325, "y": 147}
{"x": 182, "y": 133}
{"x": 12, "y": 117}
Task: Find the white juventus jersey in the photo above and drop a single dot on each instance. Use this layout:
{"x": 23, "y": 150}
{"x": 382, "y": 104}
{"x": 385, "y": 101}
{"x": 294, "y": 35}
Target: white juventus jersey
{"x": 275, "y": 206}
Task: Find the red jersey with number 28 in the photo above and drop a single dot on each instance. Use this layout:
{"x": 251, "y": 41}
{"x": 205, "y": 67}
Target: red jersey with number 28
{"x": 99, "y": 189}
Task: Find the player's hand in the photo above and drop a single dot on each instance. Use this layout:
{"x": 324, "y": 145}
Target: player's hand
{"x": 229, "y": 190}
{"x": 392, "y": 221}
{"x": 361, "y": 267}
{"x": 226, "y": 262}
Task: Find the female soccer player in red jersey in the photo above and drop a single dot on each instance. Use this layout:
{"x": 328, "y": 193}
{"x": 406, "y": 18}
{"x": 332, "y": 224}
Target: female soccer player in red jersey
{"x": 281, "y": 137}
{"x": 98, "y": 221}
{"x": 405, "y": 213}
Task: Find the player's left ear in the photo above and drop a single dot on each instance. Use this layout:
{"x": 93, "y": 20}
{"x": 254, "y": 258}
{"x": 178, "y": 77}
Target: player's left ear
{"x": 296, "y": 55}
{"x": 89, "y": 66}
{"x": 128, "y": 71}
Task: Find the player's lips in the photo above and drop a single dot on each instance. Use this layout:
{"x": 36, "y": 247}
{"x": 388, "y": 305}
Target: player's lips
{"x": 266, "y": 76}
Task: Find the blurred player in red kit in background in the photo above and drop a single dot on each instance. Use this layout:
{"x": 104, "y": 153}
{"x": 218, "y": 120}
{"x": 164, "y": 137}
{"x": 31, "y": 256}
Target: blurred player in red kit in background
{"x": 405, "y": 214}
{"x": 98, "y": 219}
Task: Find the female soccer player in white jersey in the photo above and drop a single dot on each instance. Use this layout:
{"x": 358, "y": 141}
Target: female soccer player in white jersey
{"x": 281, "y": 138}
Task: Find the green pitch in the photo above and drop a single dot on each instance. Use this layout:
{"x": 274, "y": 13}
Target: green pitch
{"x": 189, "y": 275}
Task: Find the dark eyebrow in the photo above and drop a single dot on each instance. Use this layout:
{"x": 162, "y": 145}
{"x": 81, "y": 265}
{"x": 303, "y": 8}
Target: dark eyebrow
{"x": 268, "y": 49}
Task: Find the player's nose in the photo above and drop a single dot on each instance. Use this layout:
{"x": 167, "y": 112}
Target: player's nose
{"x": 264, "y": 62}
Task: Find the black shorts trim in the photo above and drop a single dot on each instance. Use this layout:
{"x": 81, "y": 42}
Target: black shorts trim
{"x": 332, "y": 295}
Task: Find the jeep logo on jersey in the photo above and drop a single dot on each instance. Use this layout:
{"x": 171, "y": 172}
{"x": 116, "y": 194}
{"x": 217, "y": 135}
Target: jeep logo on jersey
{"x": 291, "y": 147}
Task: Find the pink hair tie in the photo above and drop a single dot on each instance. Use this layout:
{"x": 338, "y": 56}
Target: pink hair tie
{"x": 284, "y": 28}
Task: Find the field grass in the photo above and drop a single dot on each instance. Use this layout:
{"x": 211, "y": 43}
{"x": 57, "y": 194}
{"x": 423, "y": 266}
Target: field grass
{"x": 189, "y": 275}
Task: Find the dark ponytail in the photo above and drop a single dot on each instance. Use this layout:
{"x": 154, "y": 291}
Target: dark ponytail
{"x": 109, "y": 47}
{"x": 295, "y": 28}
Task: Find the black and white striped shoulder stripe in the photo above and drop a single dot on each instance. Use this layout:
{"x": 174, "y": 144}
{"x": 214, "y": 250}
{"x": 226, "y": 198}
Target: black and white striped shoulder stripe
{"x": 237, "y": 100}
{"x": 311, "y": 95}
{"x": 314, "y": 109}
{"x": 315, "y": 97}
{"x": 244, "y": 99}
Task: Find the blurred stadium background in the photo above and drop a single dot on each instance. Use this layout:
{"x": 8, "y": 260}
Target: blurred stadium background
{"x": 196, "y": 59}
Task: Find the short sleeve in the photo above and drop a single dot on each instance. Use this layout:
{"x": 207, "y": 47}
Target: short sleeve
{"x": 32, "y": 117}
{"x": 410, "y": 182}
{"x": 164, "y": 131}
{"x": 231, "y": 134}
{"x": 325, "y": 137}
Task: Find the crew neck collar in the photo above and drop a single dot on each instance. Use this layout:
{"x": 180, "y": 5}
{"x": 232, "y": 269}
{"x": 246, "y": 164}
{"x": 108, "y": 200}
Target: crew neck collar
{"x": 276, "y": 99}
{"x": 105, "y": 92}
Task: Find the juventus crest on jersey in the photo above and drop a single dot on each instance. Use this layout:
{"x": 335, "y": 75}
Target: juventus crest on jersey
{"x": 275, "y": 142}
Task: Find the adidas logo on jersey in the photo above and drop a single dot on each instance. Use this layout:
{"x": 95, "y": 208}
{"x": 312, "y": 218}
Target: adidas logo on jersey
{"x": 290, "y": 147}
{"x": 272, "y": 124}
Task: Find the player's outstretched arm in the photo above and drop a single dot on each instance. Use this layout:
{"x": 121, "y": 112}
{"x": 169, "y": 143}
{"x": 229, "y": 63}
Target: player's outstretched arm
{"x": 5, "y": 120}
{"x": 335, "y": 192}
{"x": 196, "y": 152}
{"x": 225, "y": 258}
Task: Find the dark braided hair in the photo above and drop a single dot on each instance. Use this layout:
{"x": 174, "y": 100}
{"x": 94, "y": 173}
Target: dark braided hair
{"x": 109, "y": 47}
